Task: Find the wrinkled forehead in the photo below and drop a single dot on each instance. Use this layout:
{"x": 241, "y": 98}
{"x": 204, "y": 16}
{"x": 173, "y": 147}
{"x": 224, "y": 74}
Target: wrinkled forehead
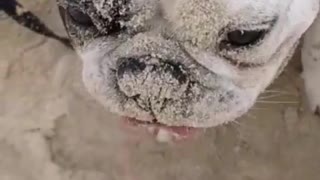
{"x": 231, "y": 4}
{"x": 238, "y": 8}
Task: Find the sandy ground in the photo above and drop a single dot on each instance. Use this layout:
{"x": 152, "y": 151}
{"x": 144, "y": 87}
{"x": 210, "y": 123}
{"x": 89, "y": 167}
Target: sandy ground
{"x": 51, "y": 129}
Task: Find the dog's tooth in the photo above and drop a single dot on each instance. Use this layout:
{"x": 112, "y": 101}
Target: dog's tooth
{"x": 164, "y": 136}
{"x": 152, "y": 129}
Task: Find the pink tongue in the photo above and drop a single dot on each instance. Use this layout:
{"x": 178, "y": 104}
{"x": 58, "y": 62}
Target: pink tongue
{"x": 181, "y": 131}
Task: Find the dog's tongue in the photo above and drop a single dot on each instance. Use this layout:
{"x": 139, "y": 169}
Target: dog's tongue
{"x": 181, "y": 131}
{"x": 162, "y": 132}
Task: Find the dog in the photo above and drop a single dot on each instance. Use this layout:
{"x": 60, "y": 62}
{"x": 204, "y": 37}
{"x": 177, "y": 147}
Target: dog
{"x": 182, "y": 65}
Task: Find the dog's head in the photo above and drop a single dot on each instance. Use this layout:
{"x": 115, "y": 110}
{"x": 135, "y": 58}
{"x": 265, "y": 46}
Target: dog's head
{"x": 195, "y": 63}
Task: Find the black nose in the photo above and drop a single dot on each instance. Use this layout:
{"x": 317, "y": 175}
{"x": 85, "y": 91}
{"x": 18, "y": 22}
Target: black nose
{"x": 131, "y": 66}
{"x": 135, "y": 66}
{"x": 151, "y": 78}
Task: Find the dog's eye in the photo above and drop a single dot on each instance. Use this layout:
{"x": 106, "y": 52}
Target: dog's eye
{"x": 241, "y": 38}
{"x": 80, "y": 17}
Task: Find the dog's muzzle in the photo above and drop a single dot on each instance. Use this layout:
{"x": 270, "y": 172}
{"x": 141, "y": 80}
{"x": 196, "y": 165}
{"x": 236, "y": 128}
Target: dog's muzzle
{"x": 151, "y": 81}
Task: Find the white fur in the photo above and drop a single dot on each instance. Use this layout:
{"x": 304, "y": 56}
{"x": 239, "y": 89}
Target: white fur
{"x": 193, "y": 27}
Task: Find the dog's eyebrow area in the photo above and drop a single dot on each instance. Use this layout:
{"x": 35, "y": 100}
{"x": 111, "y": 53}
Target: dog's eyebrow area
{"x": 253, "y": 11}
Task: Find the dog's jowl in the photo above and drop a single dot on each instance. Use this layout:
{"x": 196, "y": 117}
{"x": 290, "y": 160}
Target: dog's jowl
{"x": 186, "y": 64}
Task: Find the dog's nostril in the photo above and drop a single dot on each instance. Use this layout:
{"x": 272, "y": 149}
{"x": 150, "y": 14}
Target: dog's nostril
{"x": 130, "y": 65}
{"x": 177, "y": 71}
{"x": 151, "y": 82}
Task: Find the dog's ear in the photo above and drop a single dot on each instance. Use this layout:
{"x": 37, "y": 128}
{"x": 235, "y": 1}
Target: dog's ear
{"x": 311, "y": 65}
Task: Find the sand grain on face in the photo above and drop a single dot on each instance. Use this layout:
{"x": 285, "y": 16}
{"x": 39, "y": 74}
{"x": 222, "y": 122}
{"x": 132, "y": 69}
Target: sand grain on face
{"x": 51, "y": 128}
{"x": 198, "y": 21}
{"x": 224, "y": 81}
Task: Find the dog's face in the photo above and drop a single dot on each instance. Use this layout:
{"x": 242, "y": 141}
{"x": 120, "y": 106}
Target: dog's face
{"x": 195, "y": 63}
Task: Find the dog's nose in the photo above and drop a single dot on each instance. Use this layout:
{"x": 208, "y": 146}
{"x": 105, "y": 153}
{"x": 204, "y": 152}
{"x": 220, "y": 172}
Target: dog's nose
{"x": 134, "y": 66}
{"x": 152, "y": 79}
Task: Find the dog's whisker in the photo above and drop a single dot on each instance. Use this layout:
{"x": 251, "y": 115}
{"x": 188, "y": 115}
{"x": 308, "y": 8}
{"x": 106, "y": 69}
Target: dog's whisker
{"x": 277, "y": 102}
{"x": 250, "y": 115}
{"x": 273, "y": 96}
{"x": 278, "y": 91}
{"x": 259, "y": 108}
{"x": 269, "y": 96}
{"x": 273, "y": 90}
{"x": 236, "y": 122}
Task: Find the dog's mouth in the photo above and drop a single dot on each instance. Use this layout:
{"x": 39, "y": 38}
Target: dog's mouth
{"x": 162, "y": 132}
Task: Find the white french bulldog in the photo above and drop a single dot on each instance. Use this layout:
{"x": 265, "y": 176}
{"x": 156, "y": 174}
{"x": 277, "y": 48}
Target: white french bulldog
{"x": 190, "y": 63}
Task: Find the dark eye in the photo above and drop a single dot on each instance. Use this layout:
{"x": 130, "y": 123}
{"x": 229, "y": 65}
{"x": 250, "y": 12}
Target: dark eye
{"x": 80, "y": 17}
{"x": 240, "y": 38}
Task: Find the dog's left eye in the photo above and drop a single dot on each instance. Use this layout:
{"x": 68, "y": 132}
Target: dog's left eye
{"x": 80, "y": 17}
{"x": 241, "y": 38}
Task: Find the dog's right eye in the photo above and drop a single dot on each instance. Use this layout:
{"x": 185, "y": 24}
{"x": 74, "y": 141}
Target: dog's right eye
{"x": 240, "y": 38}
{"x": 79, "y": 17}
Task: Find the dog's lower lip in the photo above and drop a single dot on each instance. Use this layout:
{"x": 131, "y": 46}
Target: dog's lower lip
{"x": 180, "y": 132}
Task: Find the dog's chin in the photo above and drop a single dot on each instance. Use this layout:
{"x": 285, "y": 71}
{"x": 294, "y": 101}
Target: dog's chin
{"x": 182, "y": 128}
